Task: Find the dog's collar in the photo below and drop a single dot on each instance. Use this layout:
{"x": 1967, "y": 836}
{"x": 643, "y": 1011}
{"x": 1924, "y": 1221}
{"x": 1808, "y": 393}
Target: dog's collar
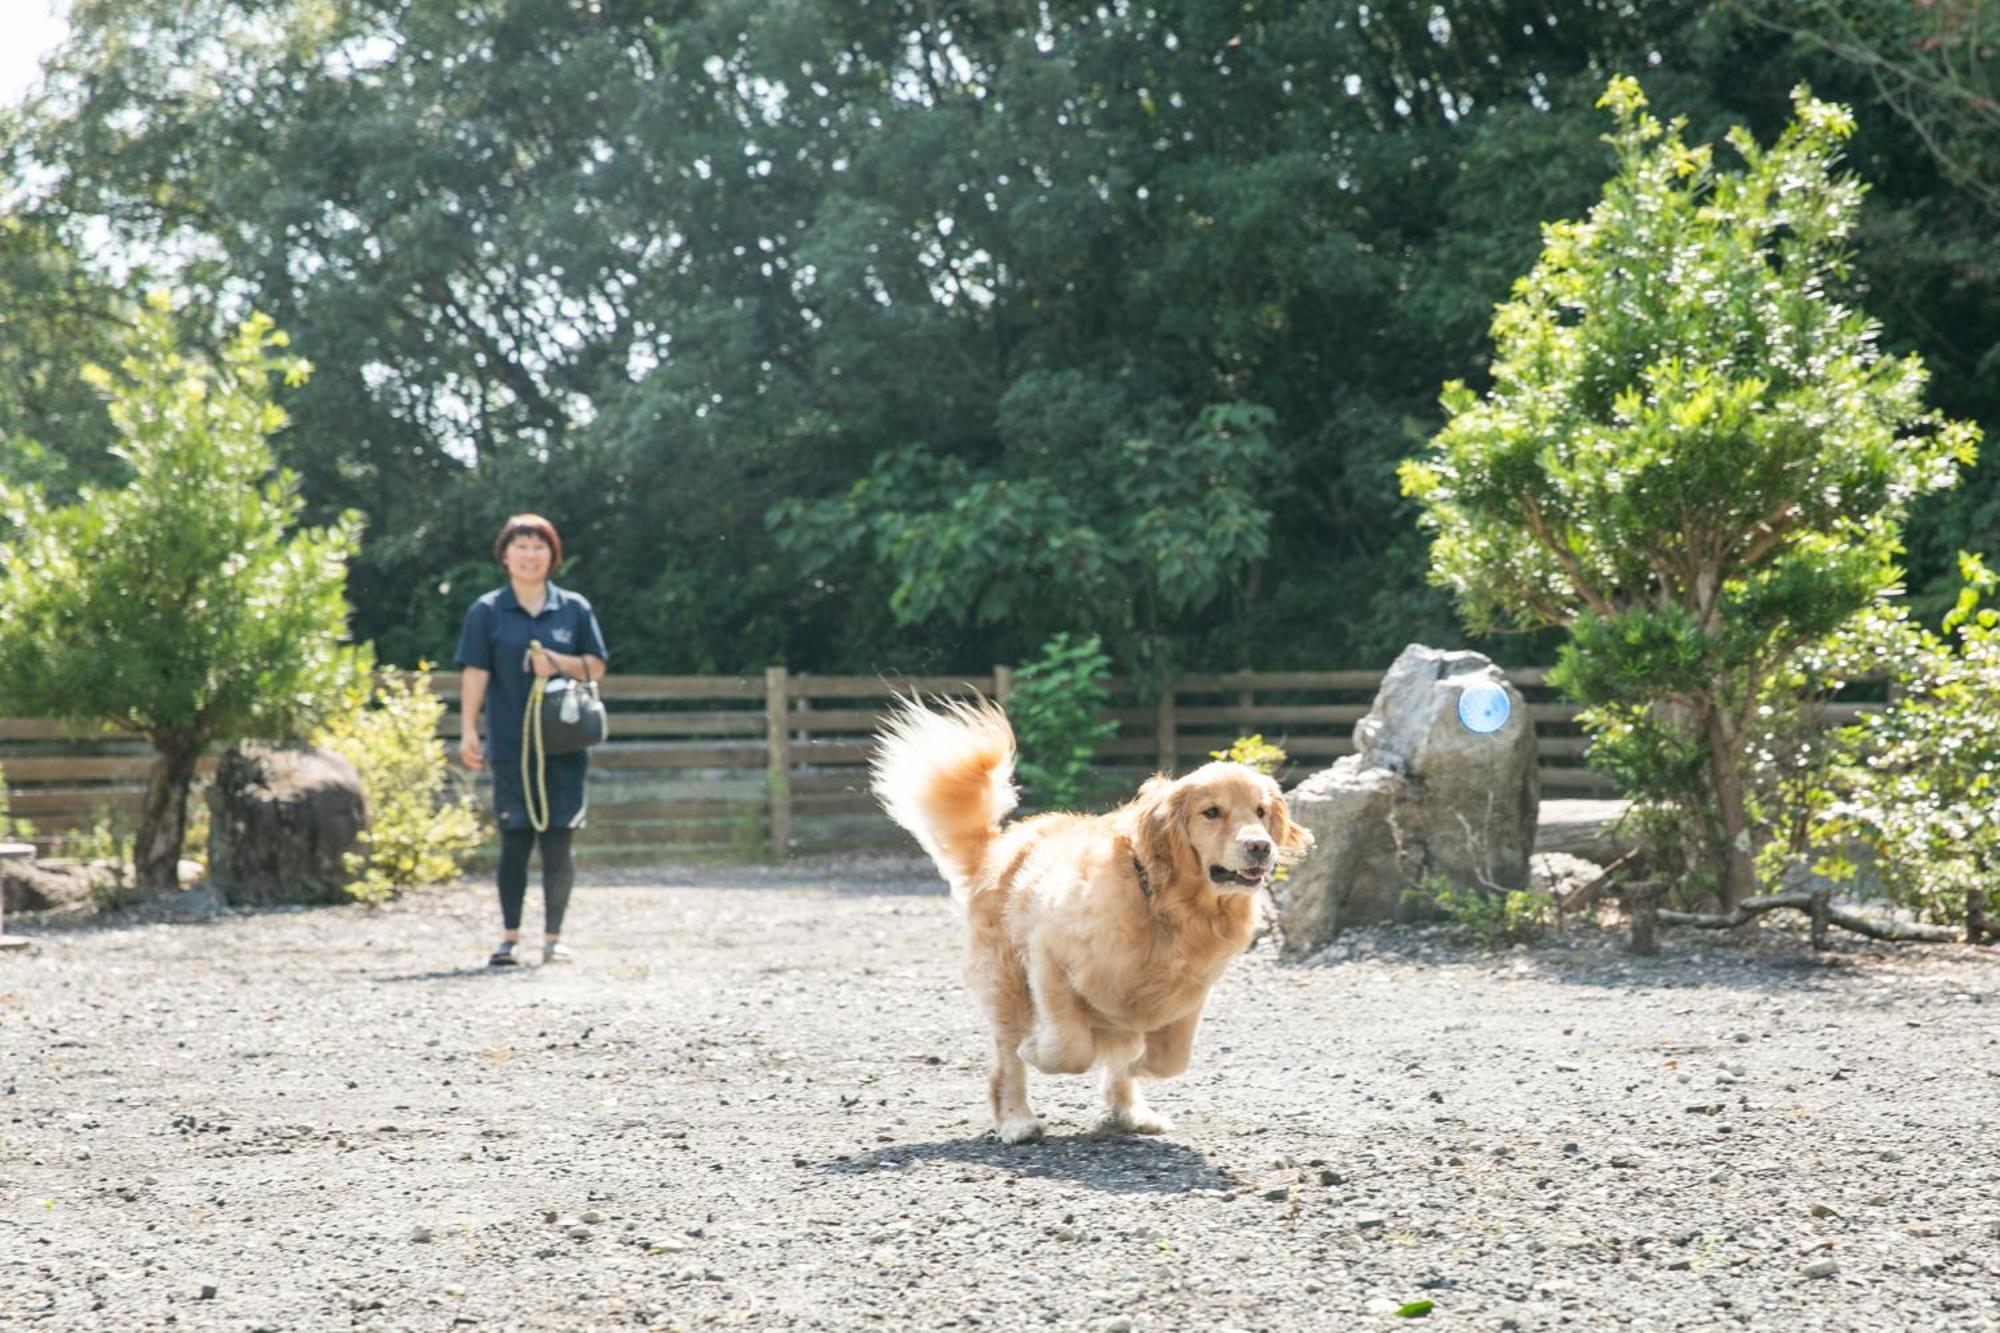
{"x": 1145, "y": 884}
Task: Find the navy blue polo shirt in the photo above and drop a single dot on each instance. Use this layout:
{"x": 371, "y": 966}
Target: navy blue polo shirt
{"x": 495, "y": 639}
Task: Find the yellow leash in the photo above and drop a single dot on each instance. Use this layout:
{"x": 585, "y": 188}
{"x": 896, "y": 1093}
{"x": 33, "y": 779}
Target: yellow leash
{"x": 532, "y": 748}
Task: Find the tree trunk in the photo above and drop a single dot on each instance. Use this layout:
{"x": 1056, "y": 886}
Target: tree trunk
{"x": 156, "y": 851}
{"x": 1725, "y": 780}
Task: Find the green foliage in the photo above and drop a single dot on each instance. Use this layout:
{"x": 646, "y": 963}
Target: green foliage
{"x": 1124, "y": 532}
{"x": 60, "y": 313}
{"x": 658, "y": 268}
{"x": 185, "y": 604}
{"x": 1493, "y": 916}
{"x": 1919, "y": 782}
{"x": 1693, "y": 457}
{"x": 1255, "y": 751}
{"x": 1933, "y": 65}
{"x": 105, "y": 842}
{"x": 419, "y": 830}
{"x": 1054, "y": 708}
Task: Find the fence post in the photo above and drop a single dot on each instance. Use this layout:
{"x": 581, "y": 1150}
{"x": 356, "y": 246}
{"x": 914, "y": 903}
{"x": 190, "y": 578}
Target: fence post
{"x": 1003, "y": 684}
{"x": 778, "y": 760}
{"x": 1164, "y": 739}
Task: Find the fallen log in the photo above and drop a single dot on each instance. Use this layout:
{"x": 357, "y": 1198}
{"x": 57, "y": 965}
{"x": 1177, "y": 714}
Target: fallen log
{"x": 1749, "y": 908}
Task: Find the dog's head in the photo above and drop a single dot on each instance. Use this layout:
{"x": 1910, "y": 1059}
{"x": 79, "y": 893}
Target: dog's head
{"x": 1224, "y": 824}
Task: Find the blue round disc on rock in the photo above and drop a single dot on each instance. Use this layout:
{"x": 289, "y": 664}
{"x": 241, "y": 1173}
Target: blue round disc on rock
{"x": 1483, "y": 707}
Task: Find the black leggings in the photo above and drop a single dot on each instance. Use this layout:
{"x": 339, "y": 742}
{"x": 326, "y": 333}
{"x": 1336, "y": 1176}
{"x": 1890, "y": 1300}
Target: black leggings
{"x": 558, "y": 874}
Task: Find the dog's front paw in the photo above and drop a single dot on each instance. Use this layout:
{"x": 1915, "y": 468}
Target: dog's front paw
{"x": 1022, "y": 1129}
{"x": 1141, "y": 1119}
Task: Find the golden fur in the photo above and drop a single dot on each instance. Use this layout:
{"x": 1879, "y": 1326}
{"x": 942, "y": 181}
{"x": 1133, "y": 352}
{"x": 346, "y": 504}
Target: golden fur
{"x": 1080, "y": 960}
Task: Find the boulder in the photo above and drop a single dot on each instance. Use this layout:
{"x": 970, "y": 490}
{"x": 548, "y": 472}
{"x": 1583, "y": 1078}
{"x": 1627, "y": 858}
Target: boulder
{"x": 282, "y": 818}
{"x": 50, "y": 885}
{"x": 1596, "y": 830}
{"x": 1424, "y": 801}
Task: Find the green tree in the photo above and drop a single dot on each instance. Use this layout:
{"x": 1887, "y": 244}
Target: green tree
{"x": 655, "y": 268}
{"x": 184, "y": 605}
{"x": 58, "y": 314}
{"x": 1931, "y": 63}
{"x": 1694, "y": 458}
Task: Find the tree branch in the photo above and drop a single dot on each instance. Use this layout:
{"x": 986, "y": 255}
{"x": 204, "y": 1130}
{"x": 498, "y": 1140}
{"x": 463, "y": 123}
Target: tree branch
{"x": 1907, "y": 932}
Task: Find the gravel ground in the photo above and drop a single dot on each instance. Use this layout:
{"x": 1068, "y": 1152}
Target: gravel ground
{"x": 758, "y": 1099}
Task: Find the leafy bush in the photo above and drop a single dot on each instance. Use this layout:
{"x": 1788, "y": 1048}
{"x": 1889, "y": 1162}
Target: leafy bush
{"x": 1495, "y": 916}
{"x": 1920, "y": 781}
{"x": 1054, "y": 710}
{"x": 418, "y": 831}
{"x": 106, "y": 842}
{"x": 1254, "y": 751}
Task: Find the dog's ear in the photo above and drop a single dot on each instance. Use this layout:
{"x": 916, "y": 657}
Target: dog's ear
{"x": 1293, "y": 839}
{"x": 1159, "y": 831}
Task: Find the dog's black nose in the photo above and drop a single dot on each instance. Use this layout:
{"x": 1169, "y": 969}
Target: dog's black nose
{"x": 1257, "y": 851}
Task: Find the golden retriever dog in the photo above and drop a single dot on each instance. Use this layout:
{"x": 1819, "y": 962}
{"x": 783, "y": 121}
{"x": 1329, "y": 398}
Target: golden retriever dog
{"x": 1094, "y": 939}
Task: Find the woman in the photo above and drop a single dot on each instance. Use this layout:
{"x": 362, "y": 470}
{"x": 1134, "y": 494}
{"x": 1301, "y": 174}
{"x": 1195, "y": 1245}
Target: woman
{"x": 527, "y": 628}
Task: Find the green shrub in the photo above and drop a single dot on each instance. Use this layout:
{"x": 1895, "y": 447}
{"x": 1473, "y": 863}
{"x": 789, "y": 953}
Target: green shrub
{"x": 1054, "y": 709}
{"x": 1919, "y": 782}
{"x": 1495, "y": 916}
{"x": 419, "y": 832}
{"x": 106, "y": 842}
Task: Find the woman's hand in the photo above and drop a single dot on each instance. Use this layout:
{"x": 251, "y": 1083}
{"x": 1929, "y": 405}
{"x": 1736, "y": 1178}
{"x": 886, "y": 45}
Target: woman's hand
{"x": 471, "y": 752}
{"x": 543, "y": 662}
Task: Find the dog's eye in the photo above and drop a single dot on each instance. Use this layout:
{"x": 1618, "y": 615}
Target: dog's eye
{"x": 1213, "y": 812}
{"x": 1260, "y": 812}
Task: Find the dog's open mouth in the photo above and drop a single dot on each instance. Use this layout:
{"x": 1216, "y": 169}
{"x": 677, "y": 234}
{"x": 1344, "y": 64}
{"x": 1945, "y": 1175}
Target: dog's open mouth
{"x": 1251, "y": 878}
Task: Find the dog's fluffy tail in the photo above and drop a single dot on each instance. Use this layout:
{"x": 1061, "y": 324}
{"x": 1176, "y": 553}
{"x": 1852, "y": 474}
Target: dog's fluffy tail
{"x": 945, "y": 772}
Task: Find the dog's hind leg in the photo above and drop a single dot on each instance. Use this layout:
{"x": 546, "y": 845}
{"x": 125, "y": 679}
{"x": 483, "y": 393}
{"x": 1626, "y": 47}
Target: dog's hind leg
{"x": 1014, "y": 1120}
{"x": 1128, "y": 1108}
{"x": 1012, "y": 1013}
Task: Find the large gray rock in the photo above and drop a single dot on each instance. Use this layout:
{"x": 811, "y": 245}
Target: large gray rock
{"x": 282, "y": 819}
{"x": 52, "y": 886}
{"x": 1423, "y": 801}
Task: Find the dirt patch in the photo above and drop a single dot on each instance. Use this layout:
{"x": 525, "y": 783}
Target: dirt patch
{"x": 758, "y": 1098}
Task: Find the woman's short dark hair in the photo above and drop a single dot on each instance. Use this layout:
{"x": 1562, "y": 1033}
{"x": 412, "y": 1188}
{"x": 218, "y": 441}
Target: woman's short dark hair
{"x": 528, "y": 525}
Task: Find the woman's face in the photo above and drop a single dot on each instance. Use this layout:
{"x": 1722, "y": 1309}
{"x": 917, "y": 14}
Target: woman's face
{"x": 527, "y": 557}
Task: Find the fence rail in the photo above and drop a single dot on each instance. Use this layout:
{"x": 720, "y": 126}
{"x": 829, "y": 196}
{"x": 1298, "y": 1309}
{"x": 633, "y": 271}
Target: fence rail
{"x": 774, "y": 764}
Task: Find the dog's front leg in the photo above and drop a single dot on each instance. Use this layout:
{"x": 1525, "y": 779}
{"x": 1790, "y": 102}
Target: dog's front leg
{"x": 1061, "y": 1042}
{"x": 1168, "y": 1048}
{"x": 1128, "y": 1108}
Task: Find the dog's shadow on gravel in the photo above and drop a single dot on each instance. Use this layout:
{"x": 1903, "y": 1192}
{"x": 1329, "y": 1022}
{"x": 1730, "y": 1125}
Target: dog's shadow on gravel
{"x": 1112, "y": 1162}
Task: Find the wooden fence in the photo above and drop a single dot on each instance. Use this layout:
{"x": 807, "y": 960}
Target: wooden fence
{"x": 770, "y": 765}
